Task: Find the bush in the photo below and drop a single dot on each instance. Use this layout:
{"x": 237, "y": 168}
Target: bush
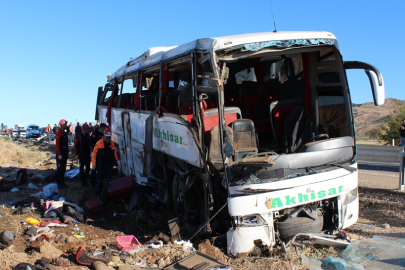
{"x": 391, "y": 129}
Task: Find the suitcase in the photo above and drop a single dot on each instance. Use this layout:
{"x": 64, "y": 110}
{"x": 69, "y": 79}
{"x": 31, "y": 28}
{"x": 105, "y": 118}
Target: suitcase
{"x": 94, "y": 207}
{"x": 121, "y": 188}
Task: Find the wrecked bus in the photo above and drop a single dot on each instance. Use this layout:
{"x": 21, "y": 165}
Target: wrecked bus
{"x": 260, "y": 125}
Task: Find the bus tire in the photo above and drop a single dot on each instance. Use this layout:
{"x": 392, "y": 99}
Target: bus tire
{"x": 293, "y": 226}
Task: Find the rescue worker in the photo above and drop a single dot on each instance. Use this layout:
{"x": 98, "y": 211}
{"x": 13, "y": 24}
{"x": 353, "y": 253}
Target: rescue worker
{"x": 48, "y": 129}
{"x": 77, "y": 129}
{"x": 55, "y": 129}
{"x": 94, "y": 138}
{"x": 82, "y": 153}
{"x": 96, "y": 126}
{"x": 91, "y": 127}
{"x": 97, "y": 135}
{"x": 62, "y": 153}
{"x": 71, "y": 129}
{"x": 103, "y": 160}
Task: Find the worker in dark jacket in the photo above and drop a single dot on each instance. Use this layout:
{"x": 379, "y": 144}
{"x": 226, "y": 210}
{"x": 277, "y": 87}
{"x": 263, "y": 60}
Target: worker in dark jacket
{"x": 103, "y": 160}
{"x": 77, "y": 129}
{"x": 55, "y": 129}
{"x": 82, "y": 153}
{"x": 95, "y": 137}
{"x": 62, "y": 152}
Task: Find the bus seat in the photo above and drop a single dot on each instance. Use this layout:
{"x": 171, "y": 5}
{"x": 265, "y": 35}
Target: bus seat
{"x": 232, "y": 95}
{"x": 185, "y": 101}
{"x": 151, "y": 101}
{"x": 172, "y": 103}
{"x": 143, "y": 102}
{"x": 214, "y": 150}
{"x": 270, "y": 92}
{"x": 297, "y": 128}
{"x": 251, "y": 103}
{"x": 211, "y": 119}
{"x": 126, "y": 100}
{"x": 244, "y": 138}
{"x": 279, "y": 111}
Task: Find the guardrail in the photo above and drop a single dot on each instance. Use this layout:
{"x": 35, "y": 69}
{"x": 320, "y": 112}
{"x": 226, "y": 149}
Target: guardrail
{"x": 379, "y": 153}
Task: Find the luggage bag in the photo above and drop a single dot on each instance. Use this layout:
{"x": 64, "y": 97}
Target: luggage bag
{"x": 93, "y": 207}
{"x": 121, "y": 188}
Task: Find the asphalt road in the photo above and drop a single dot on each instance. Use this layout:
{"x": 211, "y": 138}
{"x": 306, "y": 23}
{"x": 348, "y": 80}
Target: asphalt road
{"x": 378, "y": 157}
{"x": 378, "y": 166}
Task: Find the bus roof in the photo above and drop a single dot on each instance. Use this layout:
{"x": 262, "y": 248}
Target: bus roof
{"x": 250, "y": 42}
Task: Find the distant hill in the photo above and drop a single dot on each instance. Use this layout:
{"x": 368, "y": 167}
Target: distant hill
{"x": 368, "y": 116}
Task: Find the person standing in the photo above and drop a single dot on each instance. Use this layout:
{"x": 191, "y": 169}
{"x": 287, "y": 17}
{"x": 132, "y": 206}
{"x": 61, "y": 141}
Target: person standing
{"x": 62, "y": 153}
{"x": 55, "y": 129}
{"x": 402, "y": 133}
{"x": 71, "y": 129}
{"x": 103, "y": 160}
{"x": 48, "y": 129}
{"x": 78, "y": 129}
{"x": 91, "y": 128}
{"x": 94, "y": 138}
{"x": 96, "y": 126}
{"x": 82, "y": 153}
{"x": 97, "y": 135}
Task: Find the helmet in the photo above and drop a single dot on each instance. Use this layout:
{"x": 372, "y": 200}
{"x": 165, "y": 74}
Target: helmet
{"x": 62, "y": 122}
{"x": 107, "y": 132}
{"x": 85, "y": 127}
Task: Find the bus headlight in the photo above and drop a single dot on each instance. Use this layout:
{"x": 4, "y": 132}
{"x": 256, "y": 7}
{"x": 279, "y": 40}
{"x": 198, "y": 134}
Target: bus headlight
{"x": 249, "y": 220}
{"x": 351, "y": 196}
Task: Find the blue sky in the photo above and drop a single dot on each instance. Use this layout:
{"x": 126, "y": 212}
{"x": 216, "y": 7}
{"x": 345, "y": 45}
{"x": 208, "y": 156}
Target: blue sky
{"x": 54, "y": 54}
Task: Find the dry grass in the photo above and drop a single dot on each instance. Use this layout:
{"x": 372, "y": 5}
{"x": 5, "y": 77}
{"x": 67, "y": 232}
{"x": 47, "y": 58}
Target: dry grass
{"x": 22, "y": 155}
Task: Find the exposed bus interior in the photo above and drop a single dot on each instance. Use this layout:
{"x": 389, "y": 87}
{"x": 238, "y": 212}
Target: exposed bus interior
{"x": 291, "y": 102}
{"x": 280, "y": 102}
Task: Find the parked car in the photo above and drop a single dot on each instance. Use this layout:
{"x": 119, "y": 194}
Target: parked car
{"x": 15, "y": 134}
{"x": 22, "y": 133}
{"x": 33, "y": 131}
{"x": 42, "y": 131}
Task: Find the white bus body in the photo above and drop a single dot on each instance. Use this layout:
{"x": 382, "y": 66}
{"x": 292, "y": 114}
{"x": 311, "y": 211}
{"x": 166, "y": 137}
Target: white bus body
{"x": 262, "y": 122}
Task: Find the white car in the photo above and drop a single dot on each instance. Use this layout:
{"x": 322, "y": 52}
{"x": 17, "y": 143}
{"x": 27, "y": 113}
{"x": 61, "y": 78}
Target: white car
{"x": 22, "y": 133}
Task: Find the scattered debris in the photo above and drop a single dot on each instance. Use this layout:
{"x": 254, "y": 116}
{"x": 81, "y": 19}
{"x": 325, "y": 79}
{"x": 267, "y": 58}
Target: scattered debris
{"x": 32, "y": 221}
{"x": 6, "y": 238}
{"x": 197, "y": 260}
{"x": 32, "y": 186}
{"x": 84, "y": 258}
{"x": 382, "y": 252}
{"x": 72, "y": 173}
{"x": 50, "y": 189}
{"x": 174, "y": 226}
{"x": 127, "y": 242}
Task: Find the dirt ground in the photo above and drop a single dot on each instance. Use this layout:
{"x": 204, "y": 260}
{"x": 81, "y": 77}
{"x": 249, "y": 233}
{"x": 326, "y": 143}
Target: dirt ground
{"x": 381, "y": 211}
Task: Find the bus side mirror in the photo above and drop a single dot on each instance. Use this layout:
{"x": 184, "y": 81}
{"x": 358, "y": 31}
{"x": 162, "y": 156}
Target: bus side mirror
{"x": 375, "y": 77}
{"x": 378, "y": 90}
